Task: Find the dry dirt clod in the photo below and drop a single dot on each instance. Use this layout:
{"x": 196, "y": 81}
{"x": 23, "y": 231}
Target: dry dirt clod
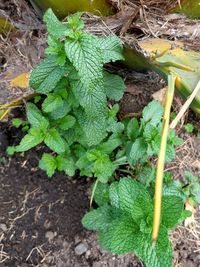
{"x": 49, "y": 235}
{"x": 3, "y": 227}
{"x": 80, "y": 249}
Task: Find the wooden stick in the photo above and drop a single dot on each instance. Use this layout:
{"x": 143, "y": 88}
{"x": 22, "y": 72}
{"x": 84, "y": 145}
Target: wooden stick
{"x": 185, "y": 106}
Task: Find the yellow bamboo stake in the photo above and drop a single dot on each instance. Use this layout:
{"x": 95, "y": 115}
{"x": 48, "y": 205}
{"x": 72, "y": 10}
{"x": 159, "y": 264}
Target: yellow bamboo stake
{"x": 161, "y": 157}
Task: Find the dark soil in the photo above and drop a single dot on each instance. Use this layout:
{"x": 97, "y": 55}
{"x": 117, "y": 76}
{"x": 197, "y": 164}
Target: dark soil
{"x": 40, "y": 219}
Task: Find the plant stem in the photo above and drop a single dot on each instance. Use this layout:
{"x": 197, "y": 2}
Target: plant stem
{"x": 93, "y": 191}
{"x": 161, "y": 157}
{"x": 117, "y": 161}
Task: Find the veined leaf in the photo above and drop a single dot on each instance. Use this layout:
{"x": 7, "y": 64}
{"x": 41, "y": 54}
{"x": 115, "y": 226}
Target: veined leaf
{"x": 172, "y": 207}
{"x": 34, "y": 137}
{"x": 111, "y": 48}
{"x": 55, "y": 142}
{"x": 46, "y": 75}
{"x": 153, "y": 112}
{"x": 35, "y": 117}
{"x": 114, "y": 86}
{"x": 54, "y": 26}
{"x": 48, "y": 163}
{"x": 85, "y": 57}
{"x": 52, "y": 102}
{"x": 66, "y": 164}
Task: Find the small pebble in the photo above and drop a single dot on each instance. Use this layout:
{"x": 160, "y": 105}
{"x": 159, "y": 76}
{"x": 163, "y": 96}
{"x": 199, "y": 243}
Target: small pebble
{"x": 80, "y": 249}
{"x": 49, "y": 235}
{"x": 3, "y": 227}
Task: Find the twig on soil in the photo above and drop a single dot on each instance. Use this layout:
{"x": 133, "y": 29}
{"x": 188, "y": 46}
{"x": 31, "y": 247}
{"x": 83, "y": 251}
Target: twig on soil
{"x": 185, "y": 106}
{"x": 3, "y": 255}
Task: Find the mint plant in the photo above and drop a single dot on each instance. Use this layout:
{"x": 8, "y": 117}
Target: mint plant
{"x": 124, "y": 223}
{"x": 74, "y": 115}
{"x": 72, "y": 118}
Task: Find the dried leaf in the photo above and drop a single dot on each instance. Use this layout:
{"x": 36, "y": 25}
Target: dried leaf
{"x": 22, "y": 80}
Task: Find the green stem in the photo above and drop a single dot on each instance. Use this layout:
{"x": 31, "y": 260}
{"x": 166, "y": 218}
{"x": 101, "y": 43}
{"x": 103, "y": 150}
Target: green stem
{"x": 161, "y": 157}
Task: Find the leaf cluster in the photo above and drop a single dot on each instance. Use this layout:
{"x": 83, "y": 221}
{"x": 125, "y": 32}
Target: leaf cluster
{"x": 124, "y": 221}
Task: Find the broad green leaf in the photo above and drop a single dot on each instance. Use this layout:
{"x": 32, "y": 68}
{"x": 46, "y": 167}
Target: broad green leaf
{"x": 152, "y": 113}
{"x": 146, "y": 176}
{"x": 66, "y": 164}
{"x": 34, "y": 137}
{"x": 93, "y": 127}
{"x": 172, "y": 207}
{"x": 114, "y": 194}
{"x": 133, "y": 129}
{"x": 170, "y": 153}
{"x": 67, "y": 122}
{"x": 46, "y": 75}
{"x": 54, "y": 141}
{"x": 98, "y": 219}
{"x": 52, "y": 102}
{"x": 101, "y": 194}
{"x": 150, "y": 132}
{"x": 48, "y": 164}
{"x": 134, "y": 198}
{"x": 138, "y": 151}
{"x": 85, "y": 57}
{"x": 120, "y": 235}
{"x": 155, "y": 255}
{"x": 35, "y": 117}
{"x": 90, "y": 96}
{"x": 111, "y": 144}
{"x": 61, "y": 112}
{"x": 111, "y": 48}
{"x": 104, "y": 168}
{"x": 114, "y": 86}
{"x": 54, "y": 26}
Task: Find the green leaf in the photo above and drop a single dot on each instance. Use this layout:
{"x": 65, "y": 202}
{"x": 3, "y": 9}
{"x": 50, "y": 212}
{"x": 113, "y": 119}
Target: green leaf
{"x": 101, "y": 194}
{"x": 54, "y": 26}
{"x": 17, "y": 122}
{"x": 195, "y": 191}
{"x": 155, "y": 255}
{"x": 134, "y": 199}
{"x": 133, "y": 129}
{"x": 85, "y": 57}
{"x": 146, "y": 176}
{"x": 55, "y": 142}
{"x": 172, "y": 207}
{"x": 67, "y": 122}
{"x": 189, "y": 127}
{"x": 66, "y": 164}
{"x": 111, "y": 144}
{"x": 152, "y": 113}
{"x": 48, "y": 163}
{"x": 114, "y": 86}
{"x": 61, "y": 112}
{"x": 93, "y": 127}
{"x": 10, "y": 150}
{"x": 104, "y": 168}
{"x": 75, "y": 23}
{"x": 34, "y": 137}
{"x": 111, "y": 48}
{"x": 46, "y": 75}
{"x": 35, "y": 117}
{"x": 98, "y": 219}
{"x": 120, "y": 236}
{"x": 114, "y": 194}
{"x": 52, "y": 102}
{"x": 138, "y": 151}
{"x": 170, "y": 153}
